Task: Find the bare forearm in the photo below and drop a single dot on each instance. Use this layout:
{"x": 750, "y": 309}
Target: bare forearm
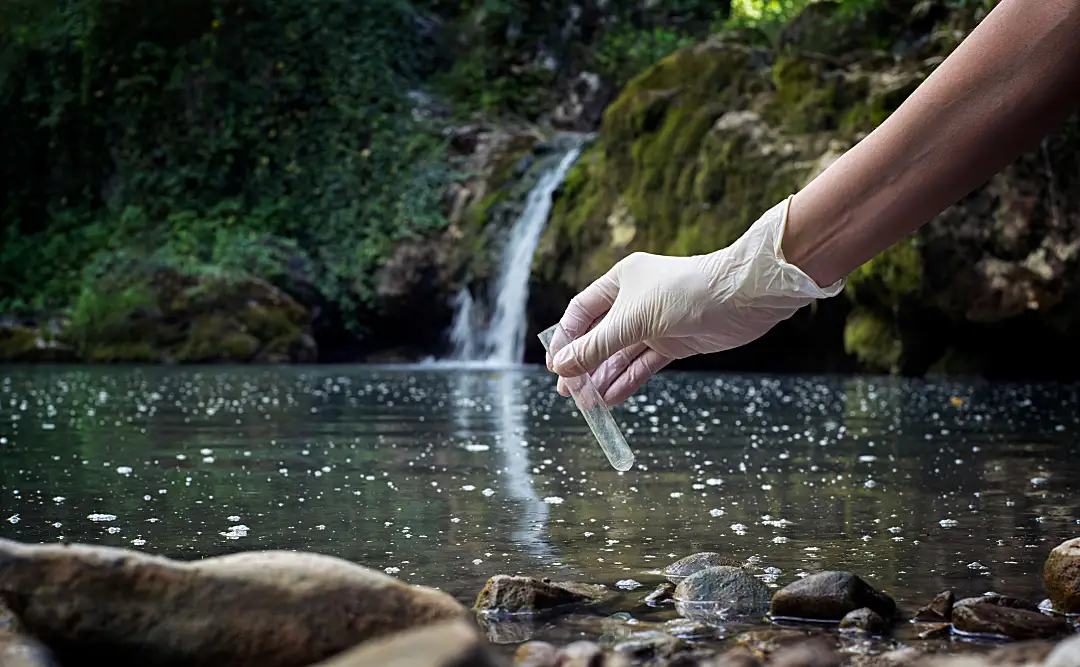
{"x": 1012, "y": 81}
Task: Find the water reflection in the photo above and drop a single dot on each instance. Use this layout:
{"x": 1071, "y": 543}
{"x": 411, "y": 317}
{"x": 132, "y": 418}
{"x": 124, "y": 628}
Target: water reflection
{"x": 446, "y": 477}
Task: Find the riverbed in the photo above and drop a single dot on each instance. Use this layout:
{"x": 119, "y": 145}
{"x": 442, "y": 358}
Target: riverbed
{"x": 447, "y": 476}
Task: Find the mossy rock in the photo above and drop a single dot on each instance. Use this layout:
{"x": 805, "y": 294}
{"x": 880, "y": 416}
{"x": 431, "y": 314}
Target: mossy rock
{"x": 873, "y": 341}
{"x": 22, "y": 343}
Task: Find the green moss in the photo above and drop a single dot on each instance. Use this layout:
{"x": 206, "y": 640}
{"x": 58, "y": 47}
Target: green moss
{"x": 805, "y": 101}
{"x": 266, "y": 323}
{"x": 216, "y": 337}
{"x": 887, "y": 278}
{"x": 133, "y": 352}
{"x": 17, "y": 343}
{"x": 872, "y": 341}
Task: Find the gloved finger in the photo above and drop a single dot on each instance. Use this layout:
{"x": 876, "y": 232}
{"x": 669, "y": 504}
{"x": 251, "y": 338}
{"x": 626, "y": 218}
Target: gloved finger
{"x": 640, "y": 370}
{"x": 616, "y": 331}
{"x": 609, "y": 371}
{"x": 587, "y": 307}
{"x": 547, "y": 356}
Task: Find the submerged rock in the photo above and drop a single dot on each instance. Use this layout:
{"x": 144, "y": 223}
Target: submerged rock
{"x": 939, "y": 609}
{"x": 527, "y": 595}
{"x": 18, "y": 648}
{"x": 686, "y": 628}
{"x": 720, "y": 592}
{"x": 829, "y": 596}
{"x": 685, "y": 567}
{"x": 1061, "y": 576}
{"x": 253, "y": 609}
{"x": 763, "y": 644}
{"x": 447, "y": 644}
{"x": 1007, "y": 622}
{"x": 866, "y": 620}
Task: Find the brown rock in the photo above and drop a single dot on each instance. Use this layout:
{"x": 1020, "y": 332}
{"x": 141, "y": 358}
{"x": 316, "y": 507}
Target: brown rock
{"x": 448, "y": 644}
{"x": 939, "y": 609}
{"x": 829, "y": 596}
{"x": 650, "y": 645}
{"x": 18, "y": 648}
{"x": 536, "y": 654}
{"x": 933, "y": 630}
{"x": 255, "y": 609}
{"x": 1008, "y": 622}
{"x": 1061, "y": 576}
{"x": 765, "y": 643}
{"x": 998, "y": 601}
{"x": 504, "y": 593}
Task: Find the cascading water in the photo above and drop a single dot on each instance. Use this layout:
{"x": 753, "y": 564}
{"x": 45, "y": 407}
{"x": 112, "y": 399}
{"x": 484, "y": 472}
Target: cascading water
{"x": 501, "y": 341}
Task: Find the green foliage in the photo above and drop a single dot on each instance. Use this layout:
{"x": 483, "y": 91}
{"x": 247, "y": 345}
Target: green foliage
{"x": 221, "y": 133}
{"x": 623, "y": 53}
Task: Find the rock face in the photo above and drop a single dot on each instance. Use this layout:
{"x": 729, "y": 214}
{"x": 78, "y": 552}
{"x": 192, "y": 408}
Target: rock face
{"x": 257, "y": 609}
{"x": 504, "y": 594}
{"x": 694, "y": 149}
{"x": 1061, "y": 576}
{"x": 829, "y": 596}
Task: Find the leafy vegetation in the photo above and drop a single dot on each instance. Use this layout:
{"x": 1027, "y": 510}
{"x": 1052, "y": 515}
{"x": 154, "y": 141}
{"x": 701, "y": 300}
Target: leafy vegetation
{"x": 209, "y": 135}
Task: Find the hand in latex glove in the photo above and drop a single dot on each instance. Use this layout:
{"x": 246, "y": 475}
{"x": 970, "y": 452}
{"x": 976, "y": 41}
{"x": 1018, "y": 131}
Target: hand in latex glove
{"x": 649, "y": 310}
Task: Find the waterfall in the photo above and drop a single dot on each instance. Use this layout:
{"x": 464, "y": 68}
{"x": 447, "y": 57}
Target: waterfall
{"x": 501, "y": 341}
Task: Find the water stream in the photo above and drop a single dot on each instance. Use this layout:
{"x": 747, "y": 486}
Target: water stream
{"x": 500, "y": 341}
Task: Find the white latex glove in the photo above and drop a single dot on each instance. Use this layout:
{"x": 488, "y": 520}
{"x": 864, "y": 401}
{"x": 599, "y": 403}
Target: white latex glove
{"x": 649, "y": 310}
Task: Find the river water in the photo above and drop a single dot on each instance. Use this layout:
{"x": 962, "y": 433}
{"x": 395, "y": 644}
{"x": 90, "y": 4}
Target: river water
{"x": 446, "y": 477}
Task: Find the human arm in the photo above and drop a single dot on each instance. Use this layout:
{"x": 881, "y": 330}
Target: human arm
{"x": 1013, "y": 80}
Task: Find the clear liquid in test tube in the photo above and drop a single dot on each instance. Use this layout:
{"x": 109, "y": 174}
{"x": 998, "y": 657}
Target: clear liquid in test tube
{"x": 592, "y": 406}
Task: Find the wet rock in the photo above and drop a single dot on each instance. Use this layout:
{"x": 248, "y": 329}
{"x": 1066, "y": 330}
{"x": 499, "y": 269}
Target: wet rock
{"x": 650, "y": 645}
{"x": 829, "y": 596}
{"x": 536, "y": 654}
{"x": 581, "y": 654}
{"x": 1007, "y": 621}
{"x": 736, "y": 657}
{"x": 894, "y": 658}
{"x": 448, "y": 644}
{"x": 685, "y": 567}
{"x": 1061, "y": 576}
{"x": 18, "y": 648}
{"x": 721, "y": 591}
{"x": 811, "y": 653}
{"x": 689, "y": 629}
{"x": 866, "y": 620}
{"x": 998, "y": 601}
{"x": 528, "y": 595}
{"x": 664, "y": 593}
{"x": 939, "y": 609}
{"x": 252, "y": 609}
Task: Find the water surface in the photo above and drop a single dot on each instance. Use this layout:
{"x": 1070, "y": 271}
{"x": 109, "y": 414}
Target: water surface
{"x": 445, "y": 477}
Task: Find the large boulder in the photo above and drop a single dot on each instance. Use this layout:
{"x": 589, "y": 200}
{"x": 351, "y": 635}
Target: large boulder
{"x": 252, "y": 609}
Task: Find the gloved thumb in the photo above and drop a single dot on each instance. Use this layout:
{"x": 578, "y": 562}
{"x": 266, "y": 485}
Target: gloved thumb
{"x": 583, "y": 355}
